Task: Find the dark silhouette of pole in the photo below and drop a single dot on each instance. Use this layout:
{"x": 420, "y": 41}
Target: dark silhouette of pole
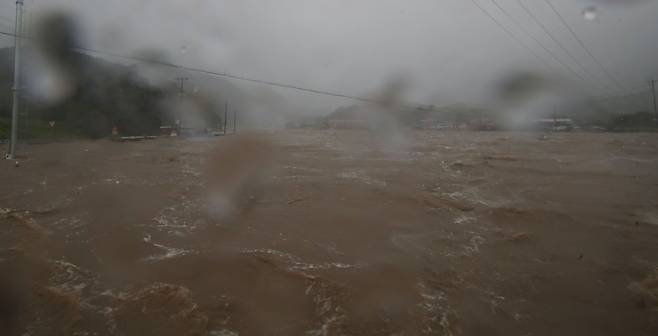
{"x": 17, "y": 80}
{"x": 181, "y": 86}
{"x": 653, "y": 92}
{"x": 181, "y": 92}
{"x": 235, "y": 121}
{"x": 225, "y": 116}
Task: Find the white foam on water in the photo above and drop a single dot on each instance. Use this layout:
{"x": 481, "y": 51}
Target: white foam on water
{"x": 222, "y": 332}
{"x": 189, "y": 171}
{"x": 474, "y": 245}
{"x": 304, "y": 266}
{"x": 169, "y": 252}
{"x": 173, "y": 225}
{"x": 296, "y": 264}
{"x": 436, "y": 310}
{"x": 362, "y": 177}
{"x": 463, "y": 219}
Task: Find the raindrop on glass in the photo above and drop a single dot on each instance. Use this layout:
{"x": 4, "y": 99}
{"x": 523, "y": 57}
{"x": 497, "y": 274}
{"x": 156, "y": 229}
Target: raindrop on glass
{"x": 590, "y": 13}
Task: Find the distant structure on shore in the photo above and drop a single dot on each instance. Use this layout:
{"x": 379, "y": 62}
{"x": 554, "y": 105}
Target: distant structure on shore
{"x": 466, "y": 117}
{"x": 555, "y": 124}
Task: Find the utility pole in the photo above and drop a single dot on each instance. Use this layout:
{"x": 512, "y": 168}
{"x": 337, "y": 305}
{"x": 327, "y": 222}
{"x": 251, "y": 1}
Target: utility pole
{"x": 225, "y": 115}
{"x": 18, "y": 30}
{"x": 653, "y": 92}
{"x": 28, "y": 24}
{"x": 181, "y": 92}
{"x": 235, "y": 120}
{"x": 181, "y": 87}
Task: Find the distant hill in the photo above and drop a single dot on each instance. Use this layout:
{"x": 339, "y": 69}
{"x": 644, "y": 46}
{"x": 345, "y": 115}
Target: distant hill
{"x": 413, "y": 117}
{"x": 107, "y": 95}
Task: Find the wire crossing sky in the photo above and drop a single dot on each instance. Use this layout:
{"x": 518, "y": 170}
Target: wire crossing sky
{"x": 449, "y": 51}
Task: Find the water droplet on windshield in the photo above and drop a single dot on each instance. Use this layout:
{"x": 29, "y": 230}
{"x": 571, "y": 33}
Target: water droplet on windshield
{"x": 590, "y": 13}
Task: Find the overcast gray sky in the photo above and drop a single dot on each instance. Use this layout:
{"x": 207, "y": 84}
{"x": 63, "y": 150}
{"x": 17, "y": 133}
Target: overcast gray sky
{"x": 448, "y": 50}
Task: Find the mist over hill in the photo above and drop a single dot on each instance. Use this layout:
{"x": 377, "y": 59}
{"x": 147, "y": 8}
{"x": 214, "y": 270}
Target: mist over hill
{"x": 105, "y": 95}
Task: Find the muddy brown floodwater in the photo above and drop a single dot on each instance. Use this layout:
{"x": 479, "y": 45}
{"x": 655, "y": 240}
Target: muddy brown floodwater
{"x": 330, "y": 233}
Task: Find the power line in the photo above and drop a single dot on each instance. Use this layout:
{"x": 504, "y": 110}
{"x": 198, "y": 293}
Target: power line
{"x": 231, "y": 76}
{"x": 546, "y": 49}
{"x": 566, "y": 51}
{"x": 557, "y": 59}
{"x": 509, "y": 33}
{"x": 637, "y": 105}
{"x": 582, "y": 44}
{"x": 252, "y": 80}
{"x": 220, "y": 74}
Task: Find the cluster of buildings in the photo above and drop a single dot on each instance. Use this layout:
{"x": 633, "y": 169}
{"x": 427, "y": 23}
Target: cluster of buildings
{"x": 455, "y": 118}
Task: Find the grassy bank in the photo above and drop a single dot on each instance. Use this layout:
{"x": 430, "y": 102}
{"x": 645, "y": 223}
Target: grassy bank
{"x": 40, "y": 130}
